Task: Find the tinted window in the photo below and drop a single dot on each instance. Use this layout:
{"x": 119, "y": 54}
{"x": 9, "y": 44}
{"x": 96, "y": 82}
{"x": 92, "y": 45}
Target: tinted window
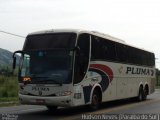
{"x": 140, "y": 57}
{"x": 122, "y": 53}
{"x": 49, "y": 66}
{"x": 152, "y": 59}
{"x": 102, "y": 49}
{"x": 49, "y": 41}
{"x": 96, "y": 46}
{"x": 131, "y": 55}
{"x": 109, "y": 50}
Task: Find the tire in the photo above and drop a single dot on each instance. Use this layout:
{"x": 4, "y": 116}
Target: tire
{"x": 140, "y": 95}
{"x": 145, "y": 94}
{"x": 96, "y": 100}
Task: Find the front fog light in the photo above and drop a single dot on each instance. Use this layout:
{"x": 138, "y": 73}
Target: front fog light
{"x": 77, "y": 95}
{"x": 66, "y": 93}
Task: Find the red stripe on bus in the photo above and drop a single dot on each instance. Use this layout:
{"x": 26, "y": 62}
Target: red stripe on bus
{"x": 103, "y": 68}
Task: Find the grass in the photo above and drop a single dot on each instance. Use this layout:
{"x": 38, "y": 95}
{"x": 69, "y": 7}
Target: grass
{"x": 9, "y": 104}
{"x": 9, "y": 99}
{"x": 8, "y": 89}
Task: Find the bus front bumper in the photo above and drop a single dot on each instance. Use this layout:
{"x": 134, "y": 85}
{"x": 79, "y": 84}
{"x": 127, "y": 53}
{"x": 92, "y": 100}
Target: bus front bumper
{"x": 64, "y": 101}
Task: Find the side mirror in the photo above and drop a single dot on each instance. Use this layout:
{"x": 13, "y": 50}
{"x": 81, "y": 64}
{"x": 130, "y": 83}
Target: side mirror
{"x": 14, "y": 58}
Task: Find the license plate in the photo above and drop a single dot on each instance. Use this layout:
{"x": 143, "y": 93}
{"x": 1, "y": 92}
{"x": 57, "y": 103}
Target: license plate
{"x": 40, "y": 101}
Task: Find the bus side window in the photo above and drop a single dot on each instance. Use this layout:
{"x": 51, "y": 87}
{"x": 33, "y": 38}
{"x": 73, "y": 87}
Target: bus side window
{"x": 122, "y": 55}
{"x": 103, "y": 49}
{"x": 96, "y": 48}
{"x": 82, "y": 57}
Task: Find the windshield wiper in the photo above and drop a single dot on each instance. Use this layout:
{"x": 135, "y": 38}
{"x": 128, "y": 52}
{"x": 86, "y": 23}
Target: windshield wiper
{"x": 47, "y": 79}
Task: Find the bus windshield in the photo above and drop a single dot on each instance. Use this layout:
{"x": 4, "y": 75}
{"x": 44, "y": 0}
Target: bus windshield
{"x": 48, "y": 58}
{"x": 48, "y": 66}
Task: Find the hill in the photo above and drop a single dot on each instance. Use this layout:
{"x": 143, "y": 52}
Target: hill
{"x": 5, "y": 58}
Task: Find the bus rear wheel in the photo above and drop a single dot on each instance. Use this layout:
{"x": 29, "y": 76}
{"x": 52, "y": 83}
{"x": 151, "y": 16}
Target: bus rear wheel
{"x": 145, "y": 93}
{"x": 141, "y": 94}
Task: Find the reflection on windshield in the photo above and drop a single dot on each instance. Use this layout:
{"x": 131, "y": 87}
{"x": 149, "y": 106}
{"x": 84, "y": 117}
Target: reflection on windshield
{"x": 52, "y": 66}
{"x": 26, "y": 64}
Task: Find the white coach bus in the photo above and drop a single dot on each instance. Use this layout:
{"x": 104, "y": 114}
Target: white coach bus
{"x": 75, "y": 67}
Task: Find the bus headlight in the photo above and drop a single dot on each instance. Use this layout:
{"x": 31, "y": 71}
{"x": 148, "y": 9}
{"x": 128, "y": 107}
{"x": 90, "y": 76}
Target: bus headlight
{"x": 65, "y": 93}
{"x": 77, "y": 95}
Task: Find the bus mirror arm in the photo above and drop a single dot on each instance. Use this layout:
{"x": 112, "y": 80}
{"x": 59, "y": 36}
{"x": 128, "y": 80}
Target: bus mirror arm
{"x": 14, "y": 58}
{"x": 19, "y": 51}
{"x": 14, "y": 63}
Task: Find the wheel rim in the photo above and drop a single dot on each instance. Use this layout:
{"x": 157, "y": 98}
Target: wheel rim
{"x": 95, "y": 100}
{"x": 145, "y": 92}
{"x": 141, "y": 93}
{"x": 140, "y": 96}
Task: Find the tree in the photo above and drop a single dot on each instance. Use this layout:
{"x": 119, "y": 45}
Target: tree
{"x": 157, "y": 76}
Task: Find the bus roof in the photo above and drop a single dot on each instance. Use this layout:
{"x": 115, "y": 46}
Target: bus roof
{"x": 78, "y": 31}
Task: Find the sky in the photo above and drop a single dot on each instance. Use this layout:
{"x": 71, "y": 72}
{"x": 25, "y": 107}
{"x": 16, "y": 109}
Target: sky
{"x": 135, "y": 21}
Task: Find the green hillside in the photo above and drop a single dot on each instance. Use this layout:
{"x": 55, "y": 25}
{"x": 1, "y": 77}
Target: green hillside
{"x": 5, "y": 62}
{"x": 5, "y": 57}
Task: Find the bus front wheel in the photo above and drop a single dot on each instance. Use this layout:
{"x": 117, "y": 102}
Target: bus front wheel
{"x": 95, "y": 103}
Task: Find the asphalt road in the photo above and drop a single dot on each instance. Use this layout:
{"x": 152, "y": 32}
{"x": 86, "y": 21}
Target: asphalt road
{"x": 30, "y": 112}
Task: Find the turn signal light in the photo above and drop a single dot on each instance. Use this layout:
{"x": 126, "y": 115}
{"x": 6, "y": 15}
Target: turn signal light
{"x": 26, "y": 79}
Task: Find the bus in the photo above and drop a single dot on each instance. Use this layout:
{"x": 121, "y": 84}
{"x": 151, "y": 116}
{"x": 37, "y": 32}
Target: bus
{"x": 68, "y": 67}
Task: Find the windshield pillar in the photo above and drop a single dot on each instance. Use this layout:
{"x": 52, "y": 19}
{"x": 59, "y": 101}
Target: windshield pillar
{"x": 82, "y": 57}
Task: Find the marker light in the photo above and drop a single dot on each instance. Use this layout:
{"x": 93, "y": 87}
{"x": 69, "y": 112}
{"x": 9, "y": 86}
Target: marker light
{"x": 25, "y": 79}
{"x": 64, "y": 93}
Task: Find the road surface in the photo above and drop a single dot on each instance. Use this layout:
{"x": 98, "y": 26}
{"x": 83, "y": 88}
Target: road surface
{"x": 31, "y": 112}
